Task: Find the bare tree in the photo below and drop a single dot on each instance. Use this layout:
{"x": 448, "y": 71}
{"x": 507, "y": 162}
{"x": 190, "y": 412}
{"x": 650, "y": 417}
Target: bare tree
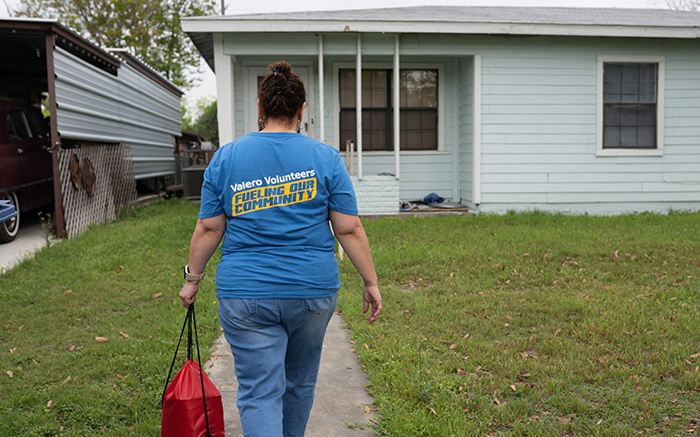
{"x": 683, "y": 5}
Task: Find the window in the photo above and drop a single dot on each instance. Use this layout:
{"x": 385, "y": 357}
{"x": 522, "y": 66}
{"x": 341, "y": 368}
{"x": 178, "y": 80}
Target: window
{"x": 631, "y": 106}
{"x": 418, "y": 113}
{"x": 17, "y": 127}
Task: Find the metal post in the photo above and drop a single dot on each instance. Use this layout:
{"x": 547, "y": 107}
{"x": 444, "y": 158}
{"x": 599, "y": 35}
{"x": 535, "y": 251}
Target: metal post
{"x": 358, "y": 104}
{"x": 397, "y": 119}
{"x": 55, "y": 139}
{"x": 321, "y": 96}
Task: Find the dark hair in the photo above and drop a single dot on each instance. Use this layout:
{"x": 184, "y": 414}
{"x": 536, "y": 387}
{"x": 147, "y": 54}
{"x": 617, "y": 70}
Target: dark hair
{"x": 281, "y": 93}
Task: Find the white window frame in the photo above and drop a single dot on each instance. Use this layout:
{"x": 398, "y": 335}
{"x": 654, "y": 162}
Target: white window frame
{"x": 337, "y": 66}
{"x": 660, "y": 103}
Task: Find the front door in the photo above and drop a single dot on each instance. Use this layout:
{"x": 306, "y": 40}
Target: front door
{"x": 255, "y": 78}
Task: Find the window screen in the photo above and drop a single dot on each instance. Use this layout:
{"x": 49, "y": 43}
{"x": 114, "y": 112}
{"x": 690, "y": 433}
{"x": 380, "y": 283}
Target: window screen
{"x": 629, "y": 105}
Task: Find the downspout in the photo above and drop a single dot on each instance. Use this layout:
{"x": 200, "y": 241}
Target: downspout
{"x": 476, "y": 195}
{"x": 55, "y": 139}
{"x": 358, "y": 105}
{"x": 321, "y": 95}
{"x": 397, "y": 116}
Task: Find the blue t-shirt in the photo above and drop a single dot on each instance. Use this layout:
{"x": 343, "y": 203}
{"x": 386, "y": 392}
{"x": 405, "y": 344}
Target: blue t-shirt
{"x": 276, "y": 190}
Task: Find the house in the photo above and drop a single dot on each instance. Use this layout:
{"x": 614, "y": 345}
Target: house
{"x": 113, "y": 120}
{"x": 558, "y": 109}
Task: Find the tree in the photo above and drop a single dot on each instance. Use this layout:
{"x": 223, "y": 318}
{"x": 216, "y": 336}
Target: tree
{"x": 208, "y": 124}
{"x": 150, "y": 29}
{"x": 202, "y": 119}
{"x": 683, "y": 5}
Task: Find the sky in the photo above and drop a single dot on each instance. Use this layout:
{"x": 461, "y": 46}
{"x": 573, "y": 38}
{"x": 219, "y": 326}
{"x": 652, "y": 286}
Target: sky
{"x": 207, "y": 83}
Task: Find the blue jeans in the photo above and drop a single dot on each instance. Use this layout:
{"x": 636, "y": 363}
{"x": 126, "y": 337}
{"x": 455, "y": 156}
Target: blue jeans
{"x": 276, "y": 345}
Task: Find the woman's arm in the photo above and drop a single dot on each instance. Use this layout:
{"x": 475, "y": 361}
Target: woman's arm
{"x": 351, "y": 235}
{"x": 206, "y": 238}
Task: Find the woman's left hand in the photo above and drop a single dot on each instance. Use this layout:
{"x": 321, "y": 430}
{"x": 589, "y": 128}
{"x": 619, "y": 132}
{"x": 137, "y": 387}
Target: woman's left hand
{"x": 188, "y": 293}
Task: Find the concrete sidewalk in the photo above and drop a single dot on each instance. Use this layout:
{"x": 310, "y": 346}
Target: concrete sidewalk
{"x": 341, "y": 402}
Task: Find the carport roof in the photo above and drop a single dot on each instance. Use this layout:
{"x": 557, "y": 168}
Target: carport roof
{"x": 23, "y": 46}
{"x": 23, "y": 41}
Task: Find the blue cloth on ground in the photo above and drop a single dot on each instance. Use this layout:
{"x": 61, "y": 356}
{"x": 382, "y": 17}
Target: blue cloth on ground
{"x": 432, "y": 199}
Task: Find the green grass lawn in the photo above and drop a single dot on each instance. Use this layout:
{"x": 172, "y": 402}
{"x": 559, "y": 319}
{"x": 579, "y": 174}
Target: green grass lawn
{"x": 533, "y": 324}
{"x": 119, "y": 282}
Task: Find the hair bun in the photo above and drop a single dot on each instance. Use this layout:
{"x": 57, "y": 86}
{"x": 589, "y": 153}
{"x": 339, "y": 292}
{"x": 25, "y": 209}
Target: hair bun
{"x": 281, "y": 67}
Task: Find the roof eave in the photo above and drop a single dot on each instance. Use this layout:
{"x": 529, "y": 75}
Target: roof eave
{"x": 209, "y": 25}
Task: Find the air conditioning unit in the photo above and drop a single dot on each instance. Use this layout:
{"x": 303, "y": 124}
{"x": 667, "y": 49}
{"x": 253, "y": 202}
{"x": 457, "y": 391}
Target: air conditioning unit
{"x": 192, "y": 180}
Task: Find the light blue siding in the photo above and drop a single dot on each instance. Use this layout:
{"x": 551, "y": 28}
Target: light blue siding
{"x": 538, "y": 119}
{"x": 539, "y": 130}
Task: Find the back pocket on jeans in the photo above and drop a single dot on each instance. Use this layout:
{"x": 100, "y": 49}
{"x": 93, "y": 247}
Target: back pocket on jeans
{"x": 319, "y": 305}
{"x": 239, "y": 309}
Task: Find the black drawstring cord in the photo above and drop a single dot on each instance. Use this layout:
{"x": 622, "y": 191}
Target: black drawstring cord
{"x": 201, "y": 372}
{"x": 190, "y": 319}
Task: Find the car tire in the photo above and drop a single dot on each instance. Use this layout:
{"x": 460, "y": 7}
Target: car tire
{"x": 9, "y": 228}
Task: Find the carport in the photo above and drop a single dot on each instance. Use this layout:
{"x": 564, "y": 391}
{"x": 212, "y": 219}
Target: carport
{"x": 112, "y": 118}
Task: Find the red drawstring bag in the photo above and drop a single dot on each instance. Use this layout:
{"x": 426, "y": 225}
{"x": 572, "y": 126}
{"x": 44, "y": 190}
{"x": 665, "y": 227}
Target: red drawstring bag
{"x": 186, "y": 413}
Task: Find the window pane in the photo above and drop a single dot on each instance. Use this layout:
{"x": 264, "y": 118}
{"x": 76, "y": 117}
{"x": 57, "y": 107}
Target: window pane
{"x": 646, "y": 137}
{"x": 628, "y": 136}
{"x": 347, "y": 88}
{"x": 647, "y": 92}
{"x": 347, "y": 127}
{"x": 647, "y": 115}
{"x": 379, "y": 96}
{"x": 428, "y": 120}
{"x": 630, "y": 73}
{"x": 611, "y": 115}
{"x": 611, "y": 137}
{"x": 374, "y": 130}
{"x": 17, "y": 121}
{"x": 647, "y": 73}
{"x": 429, "y": 98}
{"x": 429, "y": 140}
{"x": 628, "y": 115}
{"x": 612, "y": 73}
{"x": 418, "y": 88}
{"x": 630, "y": 92}
{"x": 612, "y": 98}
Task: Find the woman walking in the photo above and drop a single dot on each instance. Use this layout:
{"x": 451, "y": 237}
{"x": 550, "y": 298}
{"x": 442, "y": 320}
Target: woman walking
{"x": 270, "y": 195}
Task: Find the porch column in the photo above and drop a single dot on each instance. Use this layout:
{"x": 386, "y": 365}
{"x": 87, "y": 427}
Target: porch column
{"x": 476, "y": 195}
{"x": 397, "y": 119}
{"x": 358, "y": 105}
{"x": 225, "y": 101}
{"x": 321, "y": 96}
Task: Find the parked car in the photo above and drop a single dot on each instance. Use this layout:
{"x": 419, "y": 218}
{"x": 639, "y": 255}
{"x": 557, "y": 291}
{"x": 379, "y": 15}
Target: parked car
{"x": 26, "y": 174}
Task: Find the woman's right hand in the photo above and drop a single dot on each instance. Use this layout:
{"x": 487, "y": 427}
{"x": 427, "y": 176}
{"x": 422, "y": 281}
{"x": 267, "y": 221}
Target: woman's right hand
{"x": 188, "y": 293}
